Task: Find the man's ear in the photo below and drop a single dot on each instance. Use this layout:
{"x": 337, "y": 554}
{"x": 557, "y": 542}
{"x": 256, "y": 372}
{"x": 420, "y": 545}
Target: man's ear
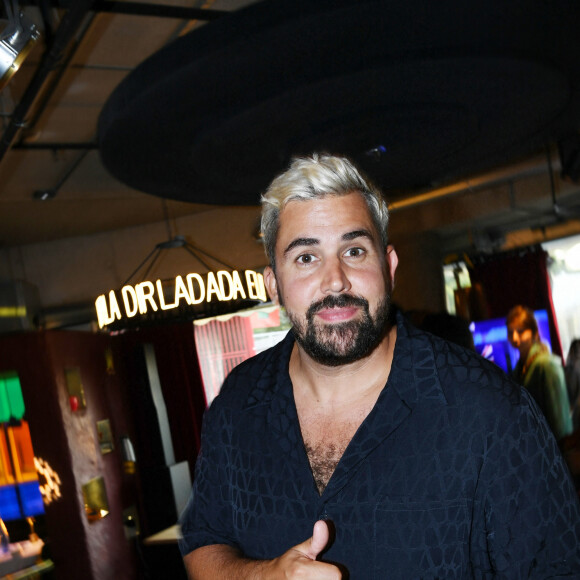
{"x": 271, "y": 285}
{"x": 392, "y": 261}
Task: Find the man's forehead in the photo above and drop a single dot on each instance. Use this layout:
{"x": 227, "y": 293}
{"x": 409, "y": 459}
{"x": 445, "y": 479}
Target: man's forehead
{"x": 313, "y": 218}
{"x": 516, "y": 322}
{"x": 330, "y": 200}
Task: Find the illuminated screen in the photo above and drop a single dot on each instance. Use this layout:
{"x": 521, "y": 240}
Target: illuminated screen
{"x": 491, "y": 341}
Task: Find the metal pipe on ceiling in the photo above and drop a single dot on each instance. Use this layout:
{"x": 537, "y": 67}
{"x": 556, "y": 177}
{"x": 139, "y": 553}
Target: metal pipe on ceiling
{"x": 52, "y": 146}
{"x": 161, "y": 10}
{"x": 139, "y": 9}
{"x": 52, "y": 83}
{"x": 529, "y": 168}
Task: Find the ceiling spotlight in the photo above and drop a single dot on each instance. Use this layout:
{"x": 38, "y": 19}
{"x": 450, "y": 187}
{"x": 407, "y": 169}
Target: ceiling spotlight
{"x": 16, "y": 41}
{"x": 44, "y": 194}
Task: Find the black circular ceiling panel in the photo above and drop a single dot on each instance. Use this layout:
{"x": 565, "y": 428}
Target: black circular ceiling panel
{"x": 417, "y": 93}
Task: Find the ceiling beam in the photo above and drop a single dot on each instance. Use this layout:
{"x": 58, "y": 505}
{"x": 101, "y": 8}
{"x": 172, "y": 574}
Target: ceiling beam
{"x": 51, "y": 146}
{"x": 160, "y": 10}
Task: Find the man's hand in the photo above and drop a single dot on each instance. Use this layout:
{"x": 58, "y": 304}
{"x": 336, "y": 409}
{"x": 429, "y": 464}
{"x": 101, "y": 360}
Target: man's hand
{"x": 300, "y": 561}
{"x": 221, "y": 562}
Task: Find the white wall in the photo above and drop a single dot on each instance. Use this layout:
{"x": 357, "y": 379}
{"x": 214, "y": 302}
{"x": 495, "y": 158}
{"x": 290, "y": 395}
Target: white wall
{"x": 77, "y": 270}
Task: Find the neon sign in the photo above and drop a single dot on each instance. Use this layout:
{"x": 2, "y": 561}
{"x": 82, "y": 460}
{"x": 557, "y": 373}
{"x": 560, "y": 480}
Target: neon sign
{"x": 146, "y": 297}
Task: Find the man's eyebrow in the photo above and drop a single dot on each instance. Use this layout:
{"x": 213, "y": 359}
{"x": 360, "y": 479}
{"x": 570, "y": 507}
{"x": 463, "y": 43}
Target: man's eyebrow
{"x": 364, "y": 233}
{"x": 357, "y": 234}
{"x": 301, "y": 242}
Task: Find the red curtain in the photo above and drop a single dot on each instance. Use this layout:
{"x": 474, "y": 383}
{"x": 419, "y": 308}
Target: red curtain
{"x": 517, "y": 277}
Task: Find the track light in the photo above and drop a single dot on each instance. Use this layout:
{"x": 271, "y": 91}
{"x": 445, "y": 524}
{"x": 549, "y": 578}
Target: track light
{"x": 16, "y": 41}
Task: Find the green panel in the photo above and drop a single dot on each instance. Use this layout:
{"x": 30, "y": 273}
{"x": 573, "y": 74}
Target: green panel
{"x": 11, "y": 399}
{"x": 4, "y": 404}
{"x": 15, "y": 398}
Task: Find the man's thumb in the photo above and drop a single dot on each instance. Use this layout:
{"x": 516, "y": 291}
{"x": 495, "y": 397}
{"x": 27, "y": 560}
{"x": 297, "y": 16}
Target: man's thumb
{"x": 320, "y": 537}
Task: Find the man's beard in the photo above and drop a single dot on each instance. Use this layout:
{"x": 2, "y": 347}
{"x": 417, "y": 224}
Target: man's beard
{"x": 343, "y": 342}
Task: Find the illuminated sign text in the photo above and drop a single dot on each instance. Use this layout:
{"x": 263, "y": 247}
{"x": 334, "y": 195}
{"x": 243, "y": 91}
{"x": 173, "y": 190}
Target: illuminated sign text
{"x": 145, "y": 297}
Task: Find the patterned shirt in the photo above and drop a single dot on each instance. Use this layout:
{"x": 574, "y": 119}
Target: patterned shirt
{"x": 453, "y": 474}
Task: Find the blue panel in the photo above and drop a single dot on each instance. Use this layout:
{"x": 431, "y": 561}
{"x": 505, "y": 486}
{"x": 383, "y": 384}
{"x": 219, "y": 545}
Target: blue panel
{"x": 31, "y": 498}
{"x": 9, "y": 507}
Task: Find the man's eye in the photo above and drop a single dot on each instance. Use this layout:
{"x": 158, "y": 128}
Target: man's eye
{"x": 354, "y": 252}
{"x": 305, "y": 259}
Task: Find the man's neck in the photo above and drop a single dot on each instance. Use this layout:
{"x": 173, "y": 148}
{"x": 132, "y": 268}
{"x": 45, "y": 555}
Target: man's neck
{"x": 332, "y": 402}
{"x": 345, "y": 383}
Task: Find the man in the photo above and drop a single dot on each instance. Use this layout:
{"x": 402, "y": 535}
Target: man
{"x": 539, "y": 371}
{"x": 361, "y": 447}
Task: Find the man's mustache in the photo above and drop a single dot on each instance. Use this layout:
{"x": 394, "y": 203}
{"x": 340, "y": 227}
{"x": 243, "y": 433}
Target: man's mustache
{"x": 340, "y": 301}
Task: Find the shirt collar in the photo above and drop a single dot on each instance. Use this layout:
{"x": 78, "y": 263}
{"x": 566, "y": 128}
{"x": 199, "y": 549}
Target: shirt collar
{"x": 413, "y": 375}
{"x": 413, "y": 378}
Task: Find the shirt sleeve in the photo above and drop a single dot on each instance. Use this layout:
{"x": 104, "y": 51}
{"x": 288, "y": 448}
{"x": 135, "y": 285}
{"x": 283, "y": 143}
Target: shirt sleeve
{"x": 207, "y": 517}
{"x": 532, "y": 508}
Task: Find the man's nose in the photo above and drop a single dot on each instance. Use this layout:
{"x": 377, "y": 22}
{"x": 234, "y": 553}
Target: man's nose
{"x": 335, "y": 278}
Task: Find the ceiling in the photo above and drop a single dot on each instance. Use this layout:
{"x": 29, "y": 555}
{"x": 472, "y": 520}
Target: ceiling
{"x": 127, "y": 113}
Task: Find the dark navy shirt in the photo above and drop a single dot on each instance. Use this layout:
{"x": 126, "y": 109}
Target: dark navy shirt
{"x": 453, "y": 474}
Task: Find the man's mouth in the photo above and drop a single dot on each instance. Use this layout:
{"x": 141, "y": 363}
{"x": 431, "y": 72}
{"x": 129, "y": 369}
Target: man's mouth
{"x": 337, "y": 308}
{"x": 337, "y": 314}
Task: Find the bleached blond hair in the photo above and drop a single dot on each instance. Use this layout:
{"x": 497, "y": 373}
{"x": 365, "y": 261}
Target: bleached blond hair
{"x": 314, "y": 177}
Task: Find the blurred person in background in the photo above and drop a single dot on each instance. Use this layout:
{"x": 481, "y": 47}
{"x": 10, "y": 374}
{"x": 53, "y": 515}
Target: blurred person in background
{"x": 539, "y": 371}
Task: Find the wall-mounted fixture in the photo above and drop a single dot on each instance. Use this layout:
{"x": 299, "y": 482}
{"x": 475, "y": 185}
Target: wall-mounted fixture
{"x": 16, "y": 41}
{"x": 105, "y": 436}
{"x": 76, "y": 391}
{"x": 128, "y": 454}
{"x": 95, "y": 498}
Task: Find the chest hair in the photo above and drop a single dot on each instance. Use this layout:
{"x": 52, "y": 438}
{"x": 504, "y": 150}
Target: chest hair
{"x": 327, "y": 429}
{"x": 325, "y": 442}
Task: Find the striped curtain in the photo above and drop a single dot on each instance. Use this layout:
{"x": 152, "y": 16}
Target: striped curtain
{"x": 222, "y": 345}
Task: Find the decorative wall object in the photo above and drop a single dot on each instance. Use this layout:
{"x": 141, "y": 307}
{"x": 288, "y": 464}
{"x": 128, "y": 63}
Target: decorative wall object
{"x": 75, "y": 389}
{"x": 95, "y": 498}
{"x": 105, "y": 436}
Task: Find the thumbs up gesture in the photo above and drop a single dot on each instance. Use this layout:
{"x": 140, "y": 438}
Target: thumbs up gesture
{"x": 300, "y": 561}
